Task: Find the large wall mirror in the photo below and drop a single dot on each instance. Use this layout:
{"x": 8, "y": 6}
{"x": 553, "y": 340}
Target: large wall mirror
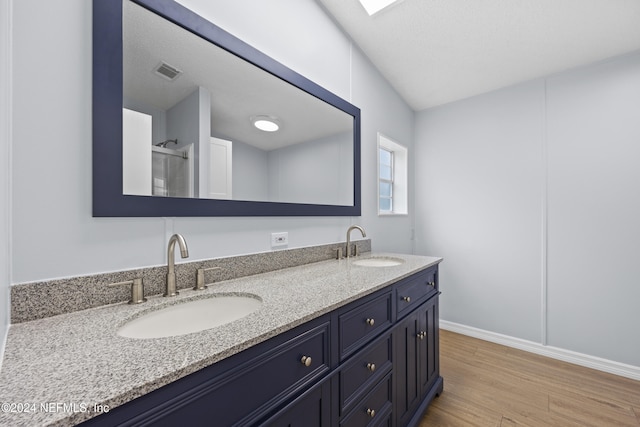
{"x": 190, "y": 121}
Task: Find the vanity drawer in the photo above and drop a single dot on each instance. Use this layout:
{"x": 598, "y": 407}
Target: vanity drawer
{"x": 374, "y": 408}
{"x": 362, "y": 323}
{"x": 416, "y": 289}
{"x": 363, "y": 370}
{"x": 284, "y": 369}
{"x": 243, "y": 393}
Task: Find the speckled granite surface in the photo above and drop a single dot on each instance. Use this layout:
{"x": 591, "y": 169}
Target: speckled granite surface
{"x": 71, "y": 362}
{"x": 36, "y": 300}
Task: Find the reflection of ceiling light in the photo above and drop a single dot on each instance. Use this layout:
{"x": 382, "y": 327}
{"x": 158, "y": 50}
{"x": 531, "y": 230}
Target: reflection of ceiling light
{"x": 374, "y": 6}
{"x": 266, "y": 123}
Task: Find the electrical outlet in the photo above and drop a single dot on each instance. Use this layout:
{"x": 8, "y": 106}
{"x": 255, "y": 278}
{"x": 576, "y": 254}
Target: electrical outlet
{"x": 279, "y": 239}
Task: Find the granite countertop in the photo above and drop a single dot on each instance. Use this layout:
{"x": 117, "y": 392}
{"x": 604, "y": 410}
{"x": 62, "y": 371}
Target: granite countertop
{"x": 63, "y": 369}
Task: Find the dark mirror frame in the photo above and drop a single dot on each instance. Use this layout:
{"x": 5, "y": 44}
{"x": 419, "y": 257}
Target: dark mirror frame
{"x": 108, "y": 200}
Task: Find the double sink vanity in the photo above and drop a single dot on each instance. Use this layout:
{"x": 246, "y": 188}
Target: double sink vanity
{"x": 304, "y": 337}
{"x": 348, "y": 342}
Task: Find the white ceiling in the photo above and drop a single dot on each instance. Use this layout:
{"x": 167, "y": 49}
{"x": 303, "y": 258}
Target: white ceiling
{"x": 438, "y": 51}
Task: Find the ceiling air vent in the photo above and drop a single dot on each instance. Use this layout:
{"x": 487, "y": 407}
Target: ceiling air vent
{"x": 167, "y": 71}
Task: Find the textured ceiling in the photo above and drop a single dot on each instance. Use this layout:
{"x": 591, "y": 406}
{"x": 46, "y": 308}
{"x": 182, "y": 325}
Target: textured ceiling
{"x": 438, "y": 51}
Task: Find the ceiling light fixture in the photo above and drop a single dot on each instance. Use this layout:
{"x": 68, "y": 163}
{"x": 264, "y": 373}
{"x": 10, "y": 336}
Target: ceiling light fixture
{"x": 374, "y": 6}
{"x": 266, "y": 123}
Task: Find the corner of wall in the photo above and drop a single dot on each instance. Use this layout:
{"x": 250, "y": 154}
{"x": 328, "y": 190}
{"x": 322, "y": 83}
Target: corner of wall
{"x": 5, "y": 161}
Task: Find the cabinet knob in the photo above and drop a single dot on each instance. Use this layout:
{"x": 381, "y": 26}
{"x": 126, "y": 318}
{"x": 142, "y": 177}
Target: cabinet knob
{"x": 432, "y": 284}
{"x": 407, "y": 299}
{"x": 370, "y": 322}
{"x": 371, "y": 412}
{"x": 422, "y": 335}
{"x": 306, "y": 360}
{"x": 371, "y": 366}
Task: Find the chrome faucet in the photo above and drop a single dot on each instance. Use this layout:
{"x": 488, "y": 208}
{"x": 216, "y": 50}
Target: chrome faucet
{"x": 356, "y": 227}
{"x": 171, "y": 270}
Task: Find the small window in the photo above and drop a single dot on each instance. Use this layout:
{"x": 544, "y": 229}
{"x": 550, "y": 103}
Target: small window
{"x": 386, "y": 180}
{"x": 392, "y": 177}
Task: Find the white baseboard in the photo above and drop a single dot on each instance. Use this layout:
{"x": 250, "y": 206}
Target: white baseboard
{"x": 621, "y": 369}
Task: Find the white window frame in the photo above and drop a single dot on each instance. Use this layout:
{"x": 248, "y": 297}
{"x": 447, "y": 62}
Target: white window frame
{"x": 399, "y": 179}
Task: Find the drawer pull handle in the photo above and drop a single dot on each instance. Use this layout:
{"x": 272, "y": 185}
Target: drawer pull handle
{"x": 306, "y": 360}
{"x": 371, "y": 412}
{"x": 432, "y": 284}
{"x": 370, "y": 322}
{"x": 407, "y": 299}
{"x": 371, "y": 366}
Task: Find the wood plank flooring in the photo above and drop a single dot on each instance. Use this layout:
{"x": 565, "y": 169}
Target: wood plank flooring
{"x": 487, "y": 384}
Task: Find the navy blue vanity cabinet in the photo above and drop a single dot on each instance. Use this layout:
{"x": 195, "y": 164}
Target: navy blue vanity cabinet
{"x": 416, "y": 364}
{"x": 388, "y": 348}
{"x": 241, "y": 390}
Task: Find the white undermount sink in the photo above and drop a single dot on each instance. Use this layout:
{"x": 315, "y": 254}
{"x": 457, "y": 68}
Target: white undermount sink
{"x": 191, "y": 316}
{"x": 378, "y": 262}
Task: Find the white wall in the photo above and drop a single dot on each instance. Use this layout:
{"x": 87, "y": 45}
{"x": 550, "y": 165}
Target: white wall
{"x": 385, "y": 112}
{"x": 54, "y": 234}
{"x": 531, "y": 195}
{"x": 250, "y": 172}
{"x": 316, "y": 171}
{"x": 593, "y": 128}
{"x": 5, "y": 165}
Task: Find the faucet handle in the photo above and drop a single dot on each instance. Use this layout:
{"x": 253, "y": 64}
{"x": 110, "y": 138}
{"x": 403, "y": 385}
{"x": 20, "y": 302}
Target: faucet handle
{"x": 137, "y": 290}
{"x": 355, "y": 252}
{"x": 338, "y": 253}
{"x": 200, "y": 286}
{"x": 352, "y": 250}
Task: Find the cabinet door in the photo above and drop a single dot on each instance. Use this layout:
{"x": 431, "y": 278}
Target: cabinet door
{"x": 416, "y": 364}
{"x": 406, "y": 368}
{"x": 428, "y": 366}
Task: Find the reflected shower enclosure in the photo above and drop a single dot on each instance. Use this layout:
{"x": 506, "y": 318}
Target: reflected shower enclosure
{"x": 170, "y": 172}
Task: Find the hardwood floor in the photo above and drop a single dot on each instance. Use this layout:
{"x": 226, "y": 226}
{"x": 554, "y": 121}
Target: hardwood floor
{"x": 487, "y": 384}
